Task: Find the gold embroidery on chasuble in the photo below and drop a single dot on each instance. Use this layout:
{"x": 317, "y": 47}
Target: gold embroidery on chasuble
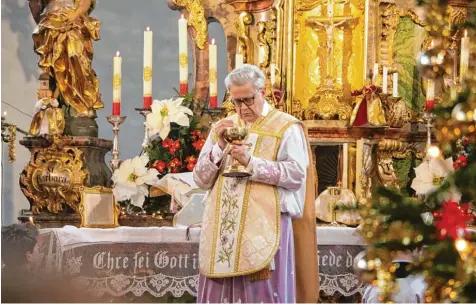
{"x": 241, "y": 224}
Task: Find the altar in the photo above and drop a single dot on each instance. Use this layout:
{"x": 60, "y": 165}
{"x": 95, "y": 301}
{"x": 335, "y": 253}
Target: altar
{"x": 161, "y": 263}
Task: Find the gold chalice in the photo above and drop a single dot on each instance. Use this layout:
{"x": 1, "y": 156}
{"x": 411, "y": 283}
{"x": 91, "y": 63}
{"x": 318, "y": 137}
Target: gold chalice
{"x": 237, "y": 136}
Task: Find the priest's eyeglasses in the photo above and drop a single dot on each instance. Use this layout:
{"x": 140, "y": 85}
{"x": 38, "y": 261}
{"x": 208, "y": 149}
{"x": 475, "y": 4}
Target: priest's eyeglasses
{"x": 248, "y": 101}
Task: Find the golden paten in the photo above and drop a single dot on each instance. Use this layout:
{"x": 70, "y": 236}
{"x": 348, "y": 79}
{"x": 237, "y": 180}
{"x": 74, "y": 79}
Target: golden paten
{"x": 53, "y": 177}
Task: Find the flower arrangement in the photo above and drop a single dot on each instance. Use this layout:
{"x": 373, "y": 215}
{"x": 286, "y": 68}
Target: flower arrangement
{"x": 180, "y": 140}
{"x": 176, "y": 142}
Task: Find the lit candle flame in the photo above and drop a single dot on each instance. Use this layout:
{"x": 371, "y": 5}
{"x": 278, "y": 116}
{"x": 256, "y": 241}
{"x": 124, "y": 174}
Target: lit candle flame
{"x": 5, "y": 113}
{"x": 118, "y": 54}
{"x": 432, "y": 43}
{"x": 148, "y": 29}
{"x": 183, "y": 17}
{"x": 31, "y": 220}
{"x": 433, "y": 151}
{"x": 213, "y": 41}
{"x": 465, "y": 33}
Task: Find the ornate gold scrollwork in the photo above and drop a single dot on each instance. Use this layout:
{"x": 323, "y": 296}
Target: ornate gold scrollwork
{"x": 389, "y": 149}
{"x": 245, "y": 43}
{"x": 390, "y": 18}
{"x": 53, "y": 177}
{"x": 385, "y": 150}
{"x": 267, "y": 38}
{"x": 458, "y": 15}
{"x": 196, "y": 19}
{"x": 327, "y": 103}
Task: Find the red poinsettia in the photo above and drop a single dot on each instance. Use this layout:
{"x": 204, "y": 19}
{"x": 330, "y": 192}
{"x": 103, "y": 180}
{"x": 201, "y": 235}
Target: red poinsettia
{"x": 174, "y": 165}
{"x": 167, "y": 143}
{"x": 174, "y": 146}
{"x": 196, "y": 135}
{"x": 198, "y": 145}
{"x": 461, "y": 162}
{"x": 451, "y": 221}
{"x": 191, "y": 162}
{"x": 159, "y": 165}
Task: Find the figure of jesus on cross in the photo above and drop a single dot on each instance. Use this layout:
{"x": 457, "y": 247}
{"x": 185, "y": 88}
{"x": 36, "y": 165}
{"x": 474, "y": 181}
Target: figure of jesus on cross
{"x": 329, "y": 24}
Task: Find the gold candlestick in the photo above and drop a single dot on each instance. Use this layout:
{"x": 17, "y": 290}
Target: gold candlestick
{"x": 115, "y": 121}
{"x": 144, "y": 112}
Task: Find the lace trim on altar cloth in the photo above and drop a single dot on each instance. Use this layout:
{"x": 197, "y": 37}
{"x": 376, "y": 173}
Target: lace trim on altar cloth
{"x": 157, "y": 285}
{"x": 345, "y": 284}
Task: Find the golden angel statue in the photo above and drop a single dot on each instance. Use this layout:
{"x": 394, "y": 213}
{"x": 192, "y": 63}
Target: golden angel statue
{"x": 368, "y": 109}
{"x": 63, "y": 39}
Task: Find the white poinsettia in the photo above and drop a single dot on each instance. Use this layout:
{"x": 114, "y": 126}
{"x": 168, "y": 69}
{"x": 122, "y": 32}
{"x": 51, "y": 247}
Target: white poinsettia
{"x": 430, "y": 175}
{"x": 165, "y": 112}
{"x": 131, "y": 180}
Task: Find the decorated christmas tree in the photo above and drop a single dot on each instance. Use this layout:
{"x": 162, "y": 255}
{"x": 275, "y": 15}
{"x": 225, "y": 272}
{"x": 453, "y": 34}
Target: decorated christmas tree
{"x": 434, "y": 223}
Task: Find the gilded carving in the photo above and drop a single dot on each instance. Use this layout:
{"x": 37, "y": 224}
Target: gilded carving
{"x": 267, "y": 39}
{"x": 386, "y": 151}
{"x": 396, "y": 112}
{"x": 196, "y": 19}
{"x": 53, "y": 177}
{"x": 297, "y": 110}
{"x": 245, "y": 43}
{"x": 327, "y": 103}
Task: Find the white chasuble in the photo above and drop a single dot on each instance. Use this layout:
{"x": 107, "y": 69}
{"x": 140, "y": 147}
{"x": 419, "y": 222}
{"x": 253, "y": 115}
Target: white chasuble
{"x": 241, "y": 224}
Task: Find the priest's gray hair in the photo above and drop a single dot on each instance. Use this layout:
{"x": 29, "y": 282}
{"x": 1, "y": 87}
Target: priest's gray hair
{"x": 248, "y": 73}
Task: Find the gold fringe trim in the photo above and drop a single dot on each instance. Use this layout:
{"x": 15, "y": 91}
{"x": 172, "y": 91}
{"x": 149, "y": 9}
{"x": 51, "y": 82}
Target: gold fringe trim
{"x": 263, "y": 274}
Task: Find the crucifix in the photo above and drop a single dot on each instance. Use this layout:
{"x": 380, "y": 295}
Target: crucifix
{"x": 329, "y": 23}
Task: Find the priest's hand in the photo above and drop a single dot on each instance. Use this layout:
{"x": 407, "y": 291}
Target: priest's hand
{"x": 241, "y": 154}
{"x": 220, "y": 130}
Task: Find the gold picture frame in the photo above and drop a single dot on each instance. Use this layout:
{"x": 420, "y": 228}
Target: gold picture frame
{"x": 100, "y": 200}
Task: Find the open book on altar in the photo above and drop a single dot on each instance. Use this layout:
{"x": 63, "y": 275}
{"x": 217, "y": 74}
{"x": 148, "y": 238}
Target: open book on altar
{"x": 178, "y": 185}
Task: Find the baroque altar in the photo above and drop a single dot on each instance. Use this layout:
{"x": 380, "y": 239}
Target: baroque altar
{"x": 333, "y": 63}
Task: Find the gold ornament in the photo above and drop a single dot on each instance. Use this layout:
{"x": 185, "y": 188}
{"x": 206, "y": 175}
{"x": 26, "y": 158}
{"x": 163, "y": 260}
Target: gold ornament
{"x": 183, "y": 60}
{"x": 12, "y": 129}
{"x": 116, "y": 81}
{"x": 196, "y": 19}
{"x": 147, "y": 74}
{"x": 213, "y": 75}
{"x": 53, "y": 177}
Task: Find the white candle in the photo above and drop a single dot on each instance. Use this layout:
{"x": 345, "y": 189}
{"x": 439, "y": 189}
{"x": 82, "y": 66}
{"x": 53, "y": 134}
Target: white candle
{"x": 385, "y": 80}
{"x": 147, "y": 67}
{"x": 464, "y": 59}
{"x": 375, "y": 73}
{"x": 395, "y": 85}
{"x": 183, "y": 50}
{"x": 116, "y": 84}
{"x": 238, "y": 60}
{"x": 272, "y": 68}
{"x": 213, "y": 73}
{"x": 430, "y": 91}
{"x": 261, "y": 54}
{"x": 345, "y": 167}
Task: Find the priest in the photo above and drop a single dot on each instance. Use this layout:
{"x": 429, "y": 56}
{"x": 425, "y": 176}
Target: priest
{"x": 258, "y": 240}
